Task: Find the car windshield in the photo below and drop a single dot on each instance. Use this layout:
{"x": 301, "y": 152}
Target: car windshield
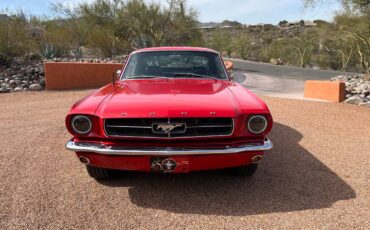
{"x": 174, "y": 64}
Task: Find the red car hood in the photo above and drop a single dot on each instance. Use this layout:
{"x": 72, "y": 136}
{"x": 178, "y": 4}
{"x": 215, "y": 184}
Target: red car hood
{"x": 173, "y": 98}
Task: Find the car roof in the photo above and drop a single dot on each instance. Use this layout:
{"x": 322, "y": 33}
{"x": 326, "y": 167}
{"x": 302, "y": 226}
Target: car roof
{"x": 176, "y": 48}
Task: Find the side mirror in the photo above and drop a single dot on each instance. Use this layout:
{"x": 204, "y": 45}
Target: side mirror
{"x": 115, "y": 76}
{"x": 118, "y": 73}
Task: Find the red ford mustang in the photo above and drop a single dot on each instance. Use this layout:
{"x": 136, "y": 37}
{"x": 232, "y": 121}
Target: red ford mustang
{"x": 171, "y": 110}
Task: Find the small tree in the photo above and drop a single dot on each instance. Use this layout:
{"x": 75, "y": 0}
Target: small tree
{"x": 304, "y": 45}
{"x": 354, "y": 20}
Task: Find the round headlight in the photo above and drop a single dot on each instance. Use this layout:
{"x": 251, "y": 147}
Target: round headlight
{"x": 81, "y": 124}
{"x": 257, "y": 124}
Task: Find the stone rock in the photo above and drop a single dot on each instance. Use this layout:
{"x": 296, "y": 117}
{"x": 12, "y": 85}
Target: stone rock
{"x": 350, "y": 88}
{"x": 4, "y": 90}
{"x": 362, "y": 104}
{"x": 11, "y": 82}
{"x": 42, "y": 82}
{"x": 363, "y": 87}
{"x": 353, "y": 100}
{"x": 35, "y": 87}
{"x": 17, "y": 89}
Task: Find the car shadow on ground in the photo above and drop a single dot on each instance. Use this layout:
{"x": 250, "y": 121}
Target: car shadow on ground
{"x": 289, "y": 179}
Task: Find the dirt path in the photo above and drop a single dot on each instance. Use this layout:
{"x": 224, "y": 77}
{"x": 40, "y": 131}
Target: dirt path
{"x": 317, "y": 176}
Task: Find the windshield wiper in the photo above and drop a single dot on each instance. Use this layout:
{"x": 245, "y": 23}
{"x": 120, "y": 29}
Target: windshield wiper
{"x": 194, "y": 75}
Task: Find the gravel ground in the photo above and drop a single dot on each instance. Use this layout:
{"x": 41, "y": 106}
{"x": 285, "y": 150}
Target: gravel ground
{"x": 317, "y": 176}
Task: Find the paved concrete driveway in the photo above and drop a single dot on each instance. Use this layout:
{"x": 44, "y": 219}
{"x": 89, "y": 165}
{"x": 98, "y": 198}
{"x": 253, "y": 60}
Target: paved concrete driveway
{"x": 274, "y": 80}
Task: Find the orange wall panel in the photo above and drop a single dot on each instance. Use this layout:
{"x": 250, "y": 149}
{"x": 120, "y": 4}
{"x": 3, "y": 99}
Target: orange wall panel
{"x": 229, "y": 65}
{"x": 326, "y": 90}
{"x": 75, "y": 75}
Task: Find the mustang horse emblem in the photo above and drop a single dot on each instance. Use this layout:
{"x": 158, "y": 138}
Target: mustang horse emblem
{"x": 166, "y": 128}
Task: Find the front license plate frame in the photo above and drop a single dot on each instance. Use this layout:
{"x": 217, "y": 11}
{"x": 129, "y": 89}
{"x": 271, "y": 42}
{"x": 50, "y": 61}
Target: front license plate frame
{"x": 169, "y": 164}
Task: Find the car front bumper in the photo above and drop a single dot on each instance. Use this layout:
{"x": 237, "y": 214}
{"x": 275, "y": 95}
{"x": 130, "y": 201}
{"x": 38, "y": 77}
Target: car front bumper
{"x": 163, "y": 151}
{"x": 187, "y": 160}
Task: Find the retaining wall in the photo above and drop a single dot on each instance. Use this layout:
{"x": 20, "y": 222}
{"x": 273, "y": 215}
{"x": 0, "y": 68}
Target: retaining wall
{"x": 77, "y": 75}
{"x": 326, "y": 90}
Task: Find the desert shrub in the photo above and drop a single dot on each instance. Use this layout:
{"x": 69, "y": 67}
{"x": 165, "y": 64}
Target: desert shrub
{"x": 242, "y": 45}
{"x": 56, "y": 40}
{"x": 280, "y": 49}
{"x": 14, "y": 38}
{"x": 221, "y": 41}
{"x": 117, "y": 26}
{"x": 145, "y": 24}
{"x": 106, "y": 42}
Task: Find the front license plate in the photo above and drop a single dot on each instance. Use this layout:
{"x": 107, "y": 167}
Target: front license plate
{"x": 169, "y": 164}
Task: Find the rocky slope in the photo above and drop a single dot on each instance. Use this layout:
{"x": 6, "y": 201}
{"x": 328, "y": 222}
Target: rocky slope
{"x": 23, "y": 76}
{"x": 357, "y": 89}
{"x": 20, "y": 77}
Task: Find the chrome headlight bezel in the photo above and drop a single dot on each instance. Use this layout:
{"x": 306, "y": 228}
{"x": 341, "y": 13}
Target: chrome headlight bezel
{"x": 83, "y": 132}
{"x": 254, "y": 117}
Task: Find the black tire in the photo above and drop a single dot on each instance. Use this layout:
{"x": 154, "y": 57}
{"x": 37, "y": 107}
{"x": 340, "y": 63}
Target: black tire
{"x": 98, "y": 173}
{"x": 245, "y": 170}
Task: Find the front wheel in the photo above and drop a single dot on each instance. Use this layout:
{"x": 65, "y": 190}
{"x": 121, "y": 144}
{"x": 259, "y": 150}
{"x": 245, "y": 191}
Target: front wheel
{"x": 245, "y": 170}
{"x": 98, "y": 173}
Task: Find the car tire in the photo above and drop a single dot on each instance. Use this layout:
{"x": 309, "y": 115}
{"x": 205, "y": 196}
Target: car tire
{"x": 245, "y": 170}
{"x": 98, "y": 173}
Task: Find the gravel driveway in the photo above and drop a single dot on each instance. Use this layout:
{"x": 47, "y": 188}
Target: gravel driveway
{"x": 317, "y": 176}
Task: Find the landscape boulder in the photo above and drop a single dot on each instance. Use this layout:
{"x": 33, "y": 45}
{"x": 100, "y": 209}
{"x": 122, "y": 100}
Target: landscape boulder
{"x": 35, "y": 87}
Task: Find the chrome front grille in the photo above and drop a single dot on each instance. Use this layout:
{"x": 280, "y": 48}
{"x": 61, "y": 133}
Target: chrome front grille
{"x": 159, "y": 127}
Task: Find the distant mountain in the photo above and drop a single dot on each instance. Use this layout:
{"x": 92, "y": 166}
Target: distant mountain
{"x": 225, "y": 23}
{"x": 3, "y": 16}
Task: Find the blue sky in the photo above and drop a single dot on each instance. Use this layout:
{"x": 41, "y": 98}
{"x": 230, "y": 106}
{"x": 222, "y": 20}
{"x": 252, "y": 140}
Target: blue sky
{"x": 245, "y": 11}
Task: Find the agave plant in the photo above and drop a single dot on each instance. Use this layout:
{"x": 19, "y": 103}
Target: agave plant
{"x": 78, "y": 53}
{"x": 48, "y": 51}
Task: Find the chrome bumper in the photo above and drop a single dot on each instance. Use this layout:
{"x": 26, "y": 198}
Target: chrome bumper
{"x": 162, "y": 151}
